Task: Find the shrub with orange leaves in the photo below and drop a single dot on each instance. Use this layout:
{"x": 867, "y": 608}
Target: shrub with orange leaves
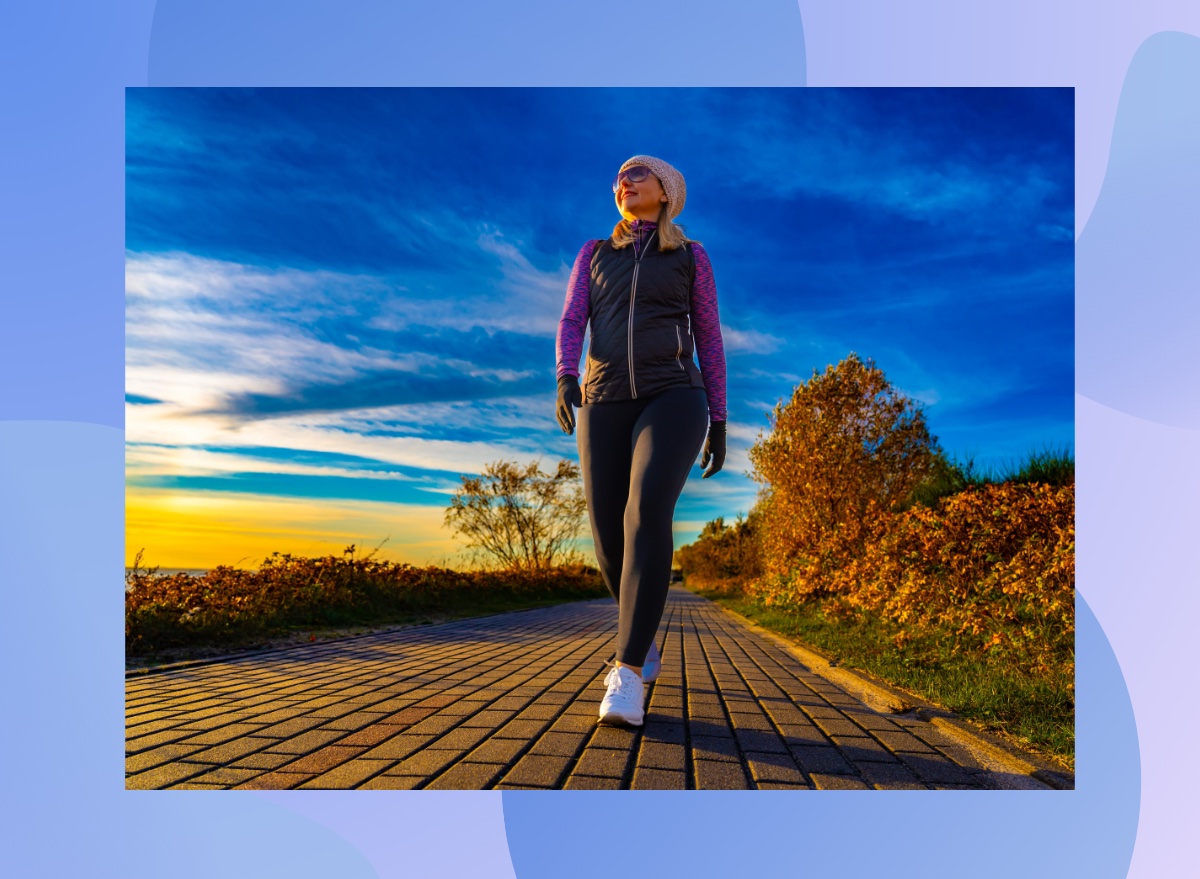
{"x": 991, "y": 569}
{"x": 844, "y": 447}
{"x": 228, "y": 604}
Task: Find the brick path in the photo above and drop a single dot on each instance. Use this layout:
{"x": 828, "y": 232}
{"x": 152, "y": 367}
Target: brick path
{"x": 510, "y": 701}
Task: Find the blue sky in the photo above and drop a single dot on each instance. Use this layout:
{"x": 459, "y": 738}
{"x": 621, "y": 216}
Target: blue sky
{"x": 340, "y": 301}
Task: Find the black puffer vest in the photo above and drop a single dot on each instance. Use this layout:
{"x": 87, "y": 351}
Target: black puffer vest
{"x": 641, "y": 330}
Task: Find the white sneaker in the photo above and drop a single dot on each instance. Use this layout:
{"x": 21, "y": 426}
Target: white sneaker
{"x": 622, "y": 704}
{"x": 652, "y": 665}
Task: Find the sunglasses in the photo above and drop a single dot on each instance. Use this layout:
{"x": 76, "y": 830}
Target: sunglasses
{"x": 634, "y": 174}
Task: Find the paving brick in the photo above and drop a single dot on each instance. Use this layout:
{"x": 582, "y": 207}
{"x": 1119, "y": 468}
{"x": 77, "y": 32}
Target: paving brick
{"x": 397, "y": 747}
{"x": 424, "y": 763}
{"x": 714, "y": 748}
{"x": 559, "y": 744}
{"x": 280, "y": 715}
{"x": 227, "y": 752}
{"x": 822, "y": 760}
{"x": 899, "y": 740}
{"x": 657, "y": 779}
{"x": 802, "y": 734}
{"x": 490, "y": 718}
{"x": 858, "y": 749}
{"x": 158, "y": 756}
{"x": 702, "y": 726}
{"x": 323, "y": 759}
{"x": 436, "y": 725}
{"x": 410, "y": 715}
{"x": 496, "y": 751}
{"x": 133, "y": 731}
{"x": 461, "y": 738}
{"x": 372, "y": 735}
{"x": 262, "y": 760}
{"x": 837, "y": 782}
{"x": 460, "y": 704}
{"x": 226, "y": 776}
{"x": 719, "y": 775}
{"x": 513, "y": 703}
{"x": 746, "y": 720}
{"x": 603, "y": 761}
{"x": 438, "y": 700}
{"x": 662, "y": 755}
{"x": 890, "y": 776}
{"x": 774, "y": 767}
{"x": 305, "y": 742}
{"x": 760, "y": 740}
{"x": 354, "y": 722}
{"x": 590, "y": 782}
{"x": 614, "y": 737}
{"x": 153, "y": 740}
{"x": 663, "y": 732}
{"x": 465, "y": 706}
{"x": 574, "y": 723}
{"x": 467, "y": 776}
{"x": 164, "y": 776}
{"x": 392, "y": 782}
{"x": 937, "y": 770}
{"x": 289, "y": 728}
{"x": 876, "y": 722}
{"x": 837, "y": 726}
{"x": 706, "y": 709}
{"x": 521, "y": 729}
{"x": 540, "y": 770}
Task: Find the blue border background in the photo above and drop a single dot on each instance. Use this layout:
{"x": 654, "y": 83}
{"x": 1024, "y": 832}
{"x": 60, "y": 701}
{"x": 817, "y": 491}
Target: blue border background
{"x": 66, "y": 64}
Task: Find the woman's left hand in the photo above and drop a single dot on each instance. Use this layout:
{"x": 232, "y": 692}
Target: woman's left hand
{"x": 713, "y": 458}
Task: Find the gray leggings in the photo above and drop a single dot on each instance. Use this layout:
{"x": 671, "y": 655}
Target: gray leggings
{"x": 636, "y": 456}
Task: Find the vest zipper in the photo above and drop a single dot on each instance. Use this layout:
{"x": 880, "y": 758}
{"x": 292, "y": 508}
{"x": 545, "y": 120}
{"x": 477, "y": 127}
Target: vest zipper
{"x": 679, "y": 350}
{"x": 632, "y": 296}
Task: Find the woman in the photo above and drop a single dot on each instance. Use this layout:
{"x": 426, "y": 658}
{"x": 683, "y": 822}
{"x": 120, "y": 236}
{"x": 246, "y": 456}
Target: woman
{"x": 644, "y": 408}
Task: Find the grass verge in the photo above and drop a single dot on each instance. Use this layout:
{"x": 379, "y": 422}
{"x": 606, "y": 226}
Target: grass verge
{"x": 1038, "y": 713}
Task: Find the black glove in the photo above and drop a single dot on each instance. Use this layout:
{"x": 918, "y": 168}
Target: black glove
{"x": 714, "y": 449}
{"x": 568, "y": 395}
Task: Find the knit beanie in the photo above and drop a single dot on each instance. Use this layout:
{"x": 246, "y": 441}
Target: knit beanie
{"x": 672, "y": 181}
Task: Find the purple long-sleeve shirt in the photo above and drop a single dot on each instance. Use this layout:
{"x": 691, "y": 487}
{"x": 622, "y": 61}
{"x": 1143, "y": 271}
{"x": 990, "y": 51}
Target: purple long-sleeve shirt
{"x": 706, "y": 321}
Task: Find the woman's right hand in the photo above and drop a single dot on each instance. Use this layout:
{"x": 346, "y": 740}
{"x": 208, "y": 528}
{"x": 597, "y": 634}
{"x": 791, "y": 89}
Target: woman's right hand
{"x": 568, "y": 395}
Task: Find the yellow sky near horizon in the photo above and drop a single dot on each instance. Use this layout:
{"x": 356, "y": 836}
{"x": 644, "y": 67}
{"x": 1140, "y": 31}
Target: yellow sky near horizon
{"x": 202, "y": 529}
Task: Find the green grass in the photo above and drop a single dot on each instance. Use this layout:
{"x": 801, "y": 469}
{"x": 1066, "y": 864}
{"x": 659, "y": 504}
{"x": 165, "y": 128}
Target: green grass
{"x": 1036, "y": 712}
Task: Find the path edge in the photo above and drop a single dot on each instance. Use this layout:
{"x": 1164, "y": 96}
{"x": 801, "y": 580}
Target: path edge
{"x": 258, "y": 651}
{"x": 885, "y": 698}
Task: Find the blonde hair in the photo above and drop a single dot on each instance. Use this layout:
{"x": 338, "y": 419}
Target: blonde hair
{"x": 670, "y": 235}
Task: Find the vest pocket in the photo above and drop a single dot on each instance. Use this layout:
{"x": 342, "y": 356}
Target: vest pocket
{"x": 678, "y": 348}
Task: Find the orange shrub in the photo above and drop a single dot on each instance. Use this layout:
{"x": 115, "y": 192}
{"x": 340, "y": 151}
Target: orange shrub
{"x": 845, "y": 445}
{"x": 992, "y": 568}
{"x": 230, "y": 604}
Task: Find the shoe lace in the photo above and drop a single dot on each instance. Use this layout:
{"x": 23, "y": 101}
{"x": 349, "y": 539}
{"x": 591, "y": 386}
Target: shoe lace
{"x": 620, "y": 685}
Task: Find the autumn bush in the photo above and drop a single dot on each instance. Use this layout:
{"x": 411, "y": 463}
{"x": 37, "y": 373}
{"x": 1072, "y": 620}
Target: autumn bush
{"x": 229, "y": 605}
{"x": 846, "y": 446}
{"x": 863, "y": 515}
{"x": 989, "y": 571}
{"x": 724, "y": 556}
